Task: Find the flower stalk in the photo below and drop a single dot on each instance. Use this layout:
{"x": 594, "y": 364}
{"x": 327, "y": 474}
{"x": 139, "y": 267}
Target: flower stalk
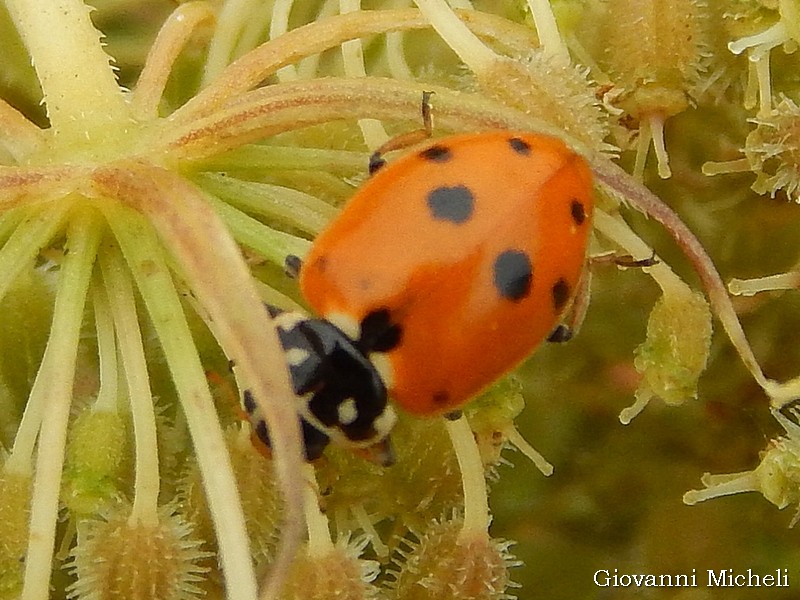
{"x": 85, "y": 104}
{"x": 129, "y": 339}
{"x": 52, "y": 395}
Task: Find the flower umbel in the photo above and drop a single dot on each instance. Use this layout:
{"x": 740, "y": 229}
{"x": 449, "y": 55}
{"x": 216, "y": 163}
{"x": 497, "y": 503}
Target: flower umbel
{"x": 142, "y": 230}
{"x": 82, "y": 176}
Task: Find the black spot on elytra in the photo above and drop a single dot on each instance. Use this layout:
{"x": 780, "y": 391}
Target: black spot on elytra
{"x": 262, "y": 432}
{"x": 441, "y": 397}
{"x": 378, "y": 332}
{"x": 292, "y": 265}
{"x": 513, "y": 273}
{"x": 560, "y": 334}
{"x": 321, "y": 264}
{"x": 453, "y": 415}
{"x": 578, "y": 211}
{"x": 561, "y": 293}
{"x": 454, "y": 204}
{"x": 519, "y": 146}
{"x": 249, "y": 402}
{"x": 436, "y": 153}
{"x": 376, "y": 163}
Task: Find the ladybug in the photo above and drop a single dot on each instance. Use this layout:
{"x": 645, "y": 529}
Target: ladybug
{"x": 442, "y": 273}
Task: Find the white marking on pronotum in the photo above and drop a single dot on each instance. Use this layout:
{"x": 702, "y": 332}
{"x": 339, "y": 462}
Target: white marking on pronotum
{"x": 347, "y": 411}
{"x": 346, "y": 323}
{"x": 383, "y": 365}
{"x": 385, "y": 422}
{"x": 289, "y": 320}
{"x": 296, "y": 356}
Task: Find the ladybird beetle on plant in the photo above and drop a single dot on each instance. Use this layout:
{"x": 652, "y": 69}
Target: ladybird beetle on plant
{"x": 453, "y": 263}
{"x": 444, "y": 271}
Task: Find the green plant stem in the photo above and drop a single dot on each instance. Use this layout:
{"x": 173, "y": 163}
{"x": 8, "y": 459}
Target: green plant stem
{"x": 264, "y": 157}
{"x": 126, "y": 322}
{"x": 28, "y": 185}
{"x": 288, "y": 106}
{"x": 620, "y": 184}
{"x": 477, "y": 56}
{"x": 143, "y": 253}
{"x": 324, "y": 34}
{"x": 230, "y": 21}
{"x": 270, "y": 243}
{"x": 319, "y": 534}
{"x": 172, "y": 38}
{"x": 274, "y": 202}
{"x": 352, "y": 51}
{"x": 547, "y": 28}
{"x": 223, "y": 285}
{"x": 616, "y": 230}
{"x": 53, "y": 388}
{"x": 476, "y": 499}
{"x": 108, "y": 394}
{"x": 80, "y": 90}
{"x": 29, "y": 237}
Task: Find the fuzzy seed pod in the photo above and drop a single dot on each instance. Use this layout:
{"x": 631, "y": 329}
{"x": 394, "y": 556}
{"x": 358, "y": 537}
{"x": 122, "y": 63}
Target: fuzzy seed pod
{"x": 98, "y": 461}
{"x": 118, "y": 559}
{"x": 445, "y": 564}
